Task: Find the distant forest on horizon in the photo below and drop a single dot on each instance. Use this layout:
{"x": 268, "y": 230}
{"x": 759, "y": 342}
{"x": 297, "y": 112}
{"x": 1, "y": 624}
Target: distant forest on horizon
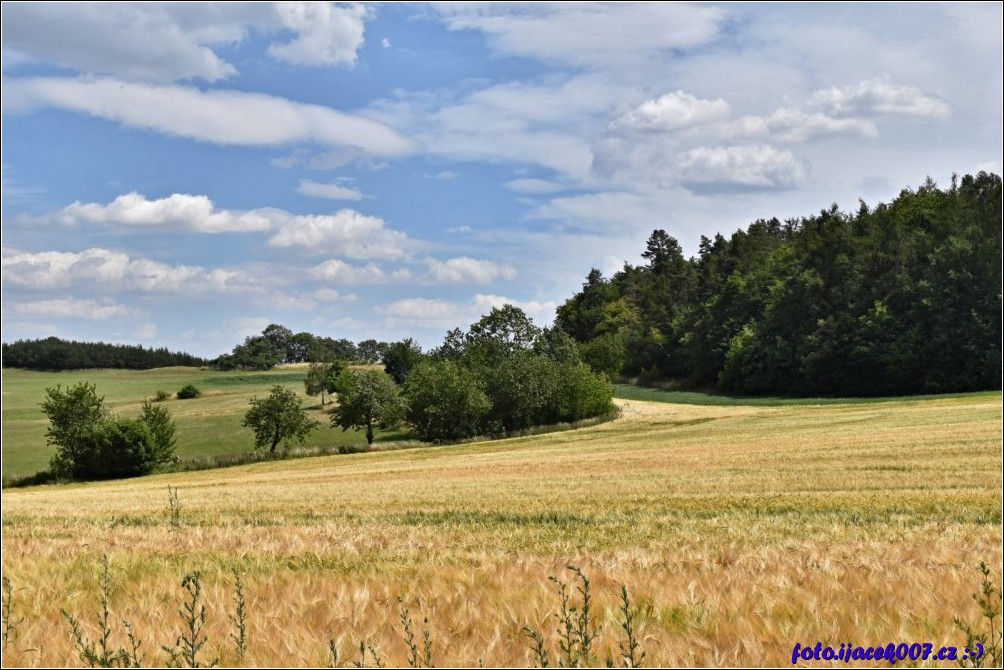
{"x": 899, "y": 298}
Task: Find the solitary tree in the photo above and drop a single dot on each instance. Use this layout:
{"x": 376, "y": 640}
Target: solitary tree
{"x": 277, "y": 418}
{"x": 366, "y": 399}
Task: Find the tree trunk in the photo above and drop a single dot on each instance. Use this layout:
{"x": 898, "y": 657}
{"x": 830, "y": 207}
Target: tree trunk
{"x": 275, "y": 441}
{"x": 369, "y": 433}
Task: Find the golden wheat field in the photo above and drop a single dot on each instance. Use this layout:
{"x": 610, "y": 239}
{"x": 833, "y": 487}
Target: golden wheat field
{"x": 737, "y": 531}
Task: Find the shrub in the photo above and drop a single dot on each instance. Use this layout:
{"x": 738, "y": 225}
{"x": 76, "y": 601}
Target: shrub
{"x": 116, "y": 448}
{"x": 162, "y": 431}
{"x": 188, "y": 391}
{"x": 92, "y": 445}
{"x": 161, "y": 396}
{"x": 582, "y": 393}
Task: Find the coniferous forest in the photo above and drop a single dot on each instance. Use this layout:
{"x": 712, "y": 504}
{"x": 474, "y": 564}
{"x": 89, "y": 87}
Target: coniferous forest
{"x": 53, "y": 353}
{"x": 899, "y": 298}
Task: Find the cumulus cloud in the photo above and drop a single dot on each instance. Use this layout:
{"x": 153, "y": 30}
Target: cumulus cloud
{"x": 73, "y": 308}
{"x": 103, "y": 267}
{"x": 326, "y": 33}
{"x": 468, "y": 270}
{"x": 334, "y": 191}
{"x": 192, "y": 212}
{"x": 164, "y": 42}
{"x": 673, "y": 111}
{"x": 217, "y": 116}
{"x": 345, "y": 233}
{"x": 744, "y": 167}
{"x": 586, "y": 34}
{"x": 878, "y": 96}
{"x": 340, "y": 272}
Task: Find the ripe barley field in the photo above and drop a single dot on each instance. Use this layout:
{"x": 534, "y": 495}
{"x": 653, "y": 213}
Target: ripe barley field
{"x": 737, "y": 530}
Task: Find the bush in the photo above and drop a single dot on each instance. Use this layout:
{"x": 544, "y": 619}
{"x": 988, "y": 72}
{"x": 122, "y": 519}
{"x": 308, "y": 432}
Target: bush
{"x": 582, "y": 393}
{"x": 115, "y": 448}
{"x": 91, "y": 445}
{"x": 161, "y": 396}
{"x": 188, "y": 391}
{"x": 162, "y": 432}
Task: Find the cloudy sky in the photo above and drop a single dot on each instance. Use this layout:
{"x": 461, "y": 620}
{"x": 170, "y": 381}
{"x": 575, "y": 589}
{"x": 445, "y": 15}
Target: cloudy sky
{"x": 182, "y": 175}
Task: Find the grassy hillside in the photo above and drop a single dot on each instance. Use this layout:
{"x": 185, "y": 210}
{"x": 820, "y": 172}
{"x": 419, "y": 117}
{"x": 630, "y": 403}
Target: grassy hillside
{"x": 208, "y": 425}
{"x": 739, "y": 530}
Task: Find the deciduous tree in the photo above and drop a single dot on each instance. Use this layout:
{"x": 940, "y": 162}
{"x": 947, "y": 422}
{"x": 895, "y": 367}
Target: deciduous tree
{"x": 278, "y": 418}
{"x": 367, "y": 399}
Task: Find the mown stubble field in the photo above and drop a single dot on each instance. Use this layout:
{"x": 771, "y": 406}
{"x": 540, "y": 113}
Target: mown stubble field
{"x": 738, "y": 530}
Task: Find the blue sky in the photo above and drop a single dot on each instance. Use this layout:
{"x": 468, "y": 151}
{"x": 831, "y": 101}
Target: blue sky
{"x": 182, "y": 175}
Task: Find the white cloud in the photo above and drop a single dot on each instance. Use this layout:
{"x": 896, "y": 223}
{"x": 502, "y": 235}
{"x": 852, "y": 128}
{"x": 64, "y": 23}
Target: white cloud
{"x": 112, "y": 269}
{"x": 326, "y": 34}
{"x": 385, "y": 43}
{"x": 340, "y": 272}
{"x": 533, "y": 186}
{"x": 326, "y": 294}
{"x": 445, "y": 314}
{"x": 421, "y": 309}
{"x": 345, "y": 233}
{"x": 749, "y": 166}
{"x": 673, "y": 111}
{"x": 130, "y": 40}
{"x": 468, "y": 270}
{"x": 165, "y": 42}
{"x": 218, "y": 116}
{"x": 878, "y": 96}
{"x": 192, "y": 212}
{"x": 547, "y": 124}
{"x": 72, "y": 308}
{"x": 146, "y": 332}
{"x": 789, "y": 124}
{"x": 586, "y": 34}
{"x": 334, "y": 191}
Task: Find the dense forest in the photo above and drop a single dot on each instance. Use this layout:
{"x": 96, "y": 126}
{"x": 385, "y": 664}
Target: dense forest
{"x": 900, "y": 298}
{"x": 53, "y": 353}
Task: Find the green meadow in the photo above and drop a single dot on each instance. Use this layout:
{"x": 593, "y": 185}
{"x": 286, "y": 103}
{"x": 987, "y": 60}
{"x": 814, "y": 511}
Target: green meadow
{"x": 207, "y": 426}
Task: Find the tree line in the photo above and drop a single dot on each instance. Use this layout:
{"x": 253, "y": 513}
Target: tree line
{"x": 505, "y": 374}
{"x": 278, "y": 345}
{"x": 53, "y": 353}
{"x": 900, "y": 298}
